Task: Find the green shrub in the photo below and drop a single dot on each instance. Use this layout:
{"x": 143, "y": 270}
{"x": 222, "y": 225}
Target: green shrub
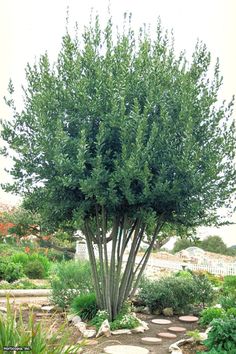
{"x": 231, "y": 312}
{"x": 222, "y": 335}
{"x": 228, "y": 301}
{"x": 99, "y": 318}
{"x": 35, "y": 270}
{"x": 85, "y": 306}
{"x": 204, "y": 292}
{"x": 24, "y": 259}
{"x": 207, "y": 315}
{"x": 175, "y": 292}
{"x": 10, "y": 271}
{"x": 229, "y": 284}
{"x": 69, "y": 279}
{"x": 14, "y": 332}
{"x": 125, "y": 319}
{"x": 187, "y": 274}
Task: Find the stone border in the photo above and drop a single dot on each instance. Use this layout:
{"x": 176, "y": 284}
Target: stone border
{"x": 25, "y": 292}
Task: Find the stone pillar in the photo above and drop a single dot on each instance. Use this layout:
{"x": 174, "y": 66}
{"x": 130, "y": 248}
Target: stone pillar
{"x": 81, "y": 250}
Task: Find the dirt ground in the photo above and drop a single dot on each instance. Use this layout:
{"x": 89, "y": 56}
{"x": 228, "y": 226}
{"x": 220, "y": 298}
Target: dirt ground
{"x": 135, "y": 339}
{"x": 54, "y": 321}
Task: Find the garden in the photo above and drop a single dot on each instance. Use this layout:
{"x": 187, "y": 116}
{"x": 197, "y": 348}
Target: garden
{"x": 73, "y": 319}
{"x": 123, "y": 139}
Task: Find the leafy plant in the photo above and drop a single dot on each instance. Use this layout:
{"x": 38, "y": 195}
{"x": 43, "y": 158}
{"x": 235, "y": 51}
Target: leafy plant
{"x": 229, "y": 285}
{"x": 175, "y": 292}
{"x": 209, "y": 314}
{"x": 24, "y": 259}
{"x": 228, "y": 301}
{"x": 231, "y": 312}
{"x": 10, "y": 271}
{"x": 99, "y": 318}
{"x": 222, "y": 335}
{"x": 16, "y": 332}
{"x": 70, "y": 279}
{"x": 195, "y": 335}
{"x": 204, "y": 292}
{"x": 85, "y": 306}
{"x": 35, "y": 270}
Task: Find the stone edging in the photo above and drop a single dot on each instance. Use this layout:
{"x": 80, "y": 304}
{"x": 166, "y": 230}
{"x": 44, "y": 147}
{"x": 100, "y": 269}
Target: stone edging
{"x": 25, "y": 292}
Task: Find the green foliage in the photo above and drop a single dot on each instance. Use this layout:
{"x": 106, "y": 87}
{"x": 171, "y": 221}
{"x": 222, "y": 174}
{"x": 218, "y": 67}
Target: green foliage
{"x": 231, "y": 312}
{"x": 175, "y": 292}
{"x": 209, "y": 314}
{"x": 229, "y": 284}
{"x": 25, "y": 221}
{"x": 203, "y": 289}
{"x": 22, "y": 284}
{"x": 183, "y": 243}
{"x": 85, "y": 306}
{"x": 121, "y": 128}
{"x": 70, "y": 279}
{"x": 35, "y": 270}
{"x": 195, "y": 335}
{"x": 99, "y": 318}
{"x": 228, "y": 301}
{"x": 214, "y": 244}
{"x": 222, "y": 335}
{"x": 123, "y": 321}
{"x": 17, "y": 333}
{"x": 10, "y": 271}
{"x": 187, "y": 274}
{"x": 36, "y": 258}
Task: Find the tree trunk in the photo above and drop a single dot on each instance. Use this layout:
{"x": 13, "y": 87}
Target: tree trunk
{"x": 115, "y": 279}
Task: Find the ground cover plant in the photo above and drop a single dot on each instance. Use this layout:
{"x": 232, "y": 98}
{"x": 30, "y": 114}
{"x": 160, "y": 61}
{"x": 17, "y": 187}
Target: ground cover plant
{"x": 69, "y": 279}
{"x": 16, "y": 332}
{"x": 118, "y": 131}
{"x": 179, "y": 292}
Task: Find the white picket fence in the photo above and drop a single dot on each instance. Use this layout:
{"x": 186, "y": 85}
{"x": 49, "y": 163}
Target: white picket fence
{"x": 224, "y": 269}
{"x": 157, "y": 264}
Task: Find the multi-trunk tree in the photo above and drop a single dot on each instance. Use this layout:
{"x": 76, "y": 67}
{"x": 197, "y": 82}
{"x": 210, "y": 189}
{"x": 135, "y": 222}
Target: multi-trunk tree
{"x": 117, "y": 131}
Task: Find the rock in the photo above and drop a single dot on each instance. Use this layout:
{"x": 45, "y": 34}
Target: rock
{"x": 166, "y": 335}
{"x": 161, "y": 321}
{"x": 48, "y": 308}
{"x": 3, "y": 309}
{"x": 142, "y": 323}
{"x": 168, "y": 311}
{"x": 139, "y": 309}
{"x": 125, "y": 349}
{"x": 177, "y": 329}
{"x": 89, "y": 333}
{"x": 104, "y": 329}
{"x": 146, "y": 311}
{"x": 74, "y": 319}
{"x": 157, "y": 312}
{"x": 188, "y": 319}
{"x": 139, "y": 329}
{"x": 174, "y": 348}
{"x": 81, "y": 326}
{"x": 151, "y": 340}
{"x": 121, "y": 331}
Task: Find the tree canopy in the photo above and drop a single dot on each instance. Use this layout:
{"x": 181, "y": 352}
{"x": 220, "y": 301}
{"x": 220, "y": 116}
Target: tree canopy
{"x": 119, "y": 129}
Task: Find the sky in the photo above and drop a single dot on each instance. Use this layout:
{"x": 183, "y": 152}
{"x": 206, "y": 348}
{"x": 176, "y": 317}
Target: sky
{"x": 28, "y": 28}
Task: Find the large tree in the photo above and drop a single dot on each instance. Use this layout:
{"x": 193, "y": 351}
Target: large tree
{"x": 120, "y": 129}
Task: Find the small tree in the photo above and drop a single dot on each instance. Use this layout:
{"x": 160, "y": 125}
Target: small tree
{"x": 119, "y": 129}
{"x": 214, "y": 244}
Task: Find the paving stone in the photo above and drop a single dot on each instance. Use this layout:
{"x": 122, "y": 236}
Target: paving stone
{"x": 125, "y": 349}
{"x": 161, "y": 321}
{"x": 89, "y": 333}
{"x": 177, "y": 329}
{"x": 188, "y": 319}
{"x": 48, "y": 308}
{"x": 151, "y": 340}
{"x": 167, "y": 335}
{"x": 121, "y": 331}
